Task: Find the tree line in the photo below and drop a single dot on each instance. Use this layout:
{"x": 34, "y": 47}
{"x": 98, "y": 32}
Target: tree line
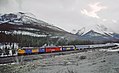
{"x": 26, "y": 41}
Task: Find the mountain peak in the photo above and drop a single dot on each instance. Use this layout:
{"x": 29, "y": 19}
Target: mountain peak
{"x": 96, "y": 28}
{"x": 92, "y": 33}
{"x": 97, "y": 33}
{"x": 11, "y": 18}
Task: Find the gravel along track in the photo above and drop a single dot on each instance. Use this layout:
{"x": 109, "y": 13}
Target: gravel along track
{"x": 82, "y": 62}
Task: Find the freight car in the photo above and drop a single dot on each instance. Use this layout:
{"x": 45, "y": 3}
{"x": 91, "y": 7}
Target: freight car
{"x": 68, "y": 48}
{"x": 53, "y": 49}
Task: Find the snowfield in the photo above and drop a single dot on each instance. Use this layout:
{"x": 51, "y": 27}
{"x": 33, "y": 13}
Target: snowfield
{"x": 83, "y": 62}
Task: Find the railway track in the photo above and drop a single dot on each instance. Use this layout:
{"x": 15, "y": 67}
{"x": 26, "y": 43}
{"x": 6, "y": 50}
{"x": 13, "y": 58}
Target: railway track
{"x": 26, "y": 58}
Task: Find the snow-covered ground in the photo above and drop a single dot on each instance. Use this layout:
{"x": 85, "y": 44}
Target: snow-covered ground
{"x": 83, "y": 62}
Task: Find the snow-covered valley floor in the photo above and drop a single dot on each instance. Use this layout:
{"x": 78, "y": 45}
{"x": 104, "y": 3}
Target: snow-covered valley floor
{"x": 82, "y": 62}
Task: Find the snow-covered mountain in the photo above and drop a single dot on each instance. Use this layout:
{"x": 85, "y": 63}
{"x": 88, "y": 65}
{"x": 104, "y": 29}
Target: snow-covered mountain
{"x": 97, "y": 33}
{"x": 97, "y": 28}
{"x": 25, "y": 26}
{"x": 21, "y": 23}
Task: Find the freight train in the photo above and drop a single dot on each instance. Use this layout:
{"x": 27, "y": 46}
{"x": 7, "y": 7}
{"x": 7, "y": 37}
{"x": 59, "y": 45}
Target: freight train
{"x": 50, "y": 49}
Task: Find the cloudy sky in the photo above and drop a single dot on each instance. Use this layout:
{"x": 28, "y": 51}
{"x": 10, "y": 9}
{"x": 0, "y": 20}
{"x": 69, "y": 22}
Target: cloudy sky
{"x": 71, "y": 15}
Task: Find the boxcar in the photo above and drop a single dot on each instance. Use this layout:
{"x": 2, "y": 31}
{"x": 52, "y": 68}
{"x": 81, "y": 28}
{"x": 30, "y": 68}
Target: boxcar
{"x": 68, "y": 48}
{"x": 53, "y": 49}
{"x": 82, "y": 47}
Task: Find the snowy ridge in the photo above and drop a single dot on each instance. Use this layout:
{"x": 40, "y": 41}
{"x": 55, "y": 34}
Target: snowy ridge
{"x": 98, "y": 33}
{"x": 23, "y": 18}
{"x": 27, "y": 24}
{"x": 10, "y": 18}
{"x": 100, "y": 29}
